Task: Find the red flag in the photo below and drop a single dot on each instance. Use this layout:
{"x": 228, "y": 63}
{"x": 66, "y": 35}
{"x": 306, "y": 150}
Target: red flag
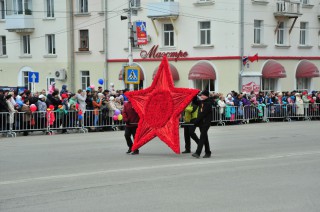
{"x": 253, "y": 58}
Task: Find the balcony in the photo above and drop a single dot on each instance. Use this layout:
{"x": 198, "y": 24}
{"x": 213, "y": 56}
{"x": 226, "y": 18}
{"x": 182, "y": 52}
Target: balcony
{"x": 163, "y": 10}
{"x": 287, "y": 8}
{"x": 19, "y": 23}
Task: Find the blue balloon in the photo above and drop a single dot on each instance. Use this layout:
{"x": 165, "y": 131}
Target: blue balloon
{"x": 100, "y": 81}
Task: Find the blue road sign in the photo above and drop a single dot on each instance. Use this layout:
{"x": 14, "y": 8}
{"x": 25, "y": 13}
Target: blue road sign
{"x": 33, "y": 77}
{"x": 132, "y": 74}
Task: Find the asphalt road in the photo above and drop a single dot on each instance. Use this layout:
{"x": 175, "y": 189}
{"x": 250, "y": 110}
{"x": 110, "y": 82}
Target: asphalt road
{"x": 255, "y": 167}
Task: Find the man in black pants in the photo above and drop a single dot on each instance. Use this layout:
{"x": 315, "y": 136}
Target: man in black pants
{"x": 131, "y": 118}
{"x": 190, "y": 115}
{"x": 203, "y": 121}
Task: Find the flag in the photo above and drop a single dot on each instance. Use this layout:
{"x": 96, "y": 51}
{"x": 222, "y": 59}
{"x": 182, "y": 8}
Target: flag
{"x": 253, "y": 58}
{"x": 244, "y": 60}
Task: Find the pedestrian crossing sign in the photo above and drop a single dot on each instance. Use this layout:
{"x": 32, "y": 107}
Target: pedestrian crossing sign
{"x": 132, "y": 74}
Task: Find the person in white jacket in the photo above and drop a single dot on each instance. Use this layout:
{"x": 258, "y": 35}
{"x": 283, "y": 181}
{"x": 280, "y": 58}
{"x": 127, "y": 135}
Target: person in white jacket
{"x": 81, "y": 96}
{"x": 11, "y": 109}
{"x": 299, "y": 105}
{"x": 222, "y": 104}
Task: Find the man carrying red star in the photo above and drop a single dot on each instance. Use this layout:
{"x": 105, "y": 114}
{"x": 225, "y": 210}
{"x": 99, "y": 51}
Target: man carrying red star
{"x": 159, "y": 107}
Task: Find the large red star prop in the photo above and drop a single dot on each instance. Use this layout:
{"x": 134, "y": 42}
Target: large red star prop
{"x": 159, "y": 107}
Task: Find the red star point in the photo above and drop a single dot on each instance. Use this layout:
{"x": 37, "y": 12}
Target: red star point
{"x": 159, "y": 108}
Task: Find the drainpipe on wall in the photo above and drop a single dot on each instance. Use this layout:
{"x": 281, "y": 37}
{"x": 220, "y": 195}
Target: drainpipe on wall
{"x": 241, "y": 41}
{"x": 106, "y": 74}
{"x": 71, "y": 47}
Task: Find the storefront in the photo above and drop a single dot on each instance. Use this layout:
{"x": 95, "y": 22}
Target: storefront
{"x": 272, "y": 72}
{"x": 305, "y": 73}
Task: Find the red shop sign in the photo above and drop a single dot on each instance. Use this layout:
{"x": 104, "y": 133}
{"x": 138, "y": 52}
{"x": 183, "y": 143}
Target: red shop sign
{"x": 153, "y": 53}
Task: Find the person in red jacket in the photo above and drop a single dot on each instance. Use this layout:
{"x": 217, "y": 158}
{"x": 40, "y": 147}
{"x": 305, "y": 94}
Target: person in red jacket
{"x": 131, "y": 118}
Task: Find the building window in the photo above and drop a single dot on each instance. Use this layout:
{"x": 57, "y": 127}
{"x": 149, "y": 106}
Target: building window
{"x": 3, "y": 47}
{"x": 84, "y": 40}
{"x": 83, "y": 6}
{"x": 19, "y": 7}
{"x": 204, "y": 84}
{"x": 303, "y": 33}
{"x": 168, "y": 35}
{"x": 85, "y": 79}
{"x": 2, "y": 10}
{"x": 304, "y": 1}
{"x": 135, "y": 3}
{"x": 51, "y": 44}
{"x": 26, "y": 82}
{"x": 258, "y": 32}
{"x": 50, "y": 80}
{"x": 25, "y": 44}
{"x": 269, "y": 84}
{"x": 303, "y": 84}
{"x": 280, "y": 34}
{"x": 205, "y": 33}
{"x": 168, "y": 0}
{"x": 50, "y": 8}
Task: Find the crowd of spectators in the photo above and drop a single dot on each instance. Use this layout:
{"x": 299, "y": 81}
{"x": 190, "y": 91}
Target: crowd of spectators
{"x": 102, "y": 104}
{"x": 267, "y": 98}
{"x": 96, "y": 101}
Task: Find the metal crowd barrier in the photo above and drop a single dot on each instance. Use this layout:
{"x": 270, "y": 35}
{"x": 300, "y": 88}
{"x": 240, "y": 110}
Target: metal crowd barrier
{"x": 98, "y": 120}
{"x": 276, "y": 112}
{"x": 65, "y": 121}
{"x": 303, "y": 111}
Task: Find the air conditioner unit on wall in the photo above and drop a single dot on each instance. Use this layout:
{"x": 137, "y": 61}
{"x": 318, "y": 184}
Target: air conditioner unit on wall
{"x": 60, "y": 74}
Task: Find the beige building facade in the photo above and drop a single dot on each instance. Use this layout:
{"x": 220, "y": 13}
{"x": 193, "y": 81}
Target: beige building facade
{"x": 217, "y": 35}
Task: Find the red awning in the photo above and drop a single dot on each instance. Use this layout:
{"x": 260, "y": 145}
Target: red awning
{"x": 273, "y": 69}
{"x": 202, "y": 70}
{"x": 121, "y": 75}
{"x": 306, "y": 69}
{"x": 174, "y": 72}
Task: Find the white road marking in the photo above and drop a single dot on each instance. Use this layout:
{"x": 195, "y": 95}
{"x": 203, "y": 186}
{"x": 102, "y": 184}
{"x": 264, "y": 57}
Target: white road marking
{"x": 197, "y": 162}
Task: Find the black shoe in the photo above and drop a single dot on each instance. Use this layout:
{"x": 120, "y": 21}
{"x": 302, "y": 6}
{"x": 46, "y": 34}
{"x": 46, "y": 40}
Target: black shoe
{"x": 207, "y": 156}
{"x": 136, "y": 152}
{"x": 186, "y": 151}
{"x": 129, "y": 151}
{"x": 196, "y": 155}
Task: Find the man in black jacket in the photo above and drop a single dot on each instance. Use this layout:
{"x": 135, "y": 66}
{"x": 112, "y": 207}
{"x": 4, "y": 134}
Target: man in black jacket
{"x": 203, "y": 121}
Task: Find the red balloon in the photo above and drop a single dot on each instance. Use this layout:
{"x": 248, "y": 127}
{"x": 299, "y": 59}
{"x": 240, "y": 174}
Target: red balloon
{"x": 33, "y": 108}
{"x": 115, "y": 117}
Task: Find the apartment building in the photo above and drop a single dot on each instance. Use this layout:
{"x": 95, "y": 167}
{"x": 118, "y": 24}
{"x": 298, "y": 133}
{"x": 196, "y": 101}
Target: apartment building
{"x": 208, "y": 43}
{"x": 34, "y": 38}
{"x": 213, "y": 37}
{"x": 89, "y": 46}
{"x": 52, "y": 38}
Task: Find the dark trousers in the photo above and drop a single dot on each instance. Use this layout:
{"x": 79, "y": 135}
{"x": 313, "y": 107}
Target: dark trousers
{"x": 128, "y": 132}
{"x": 204, "y": 140}
{"x": 189, "y": 132}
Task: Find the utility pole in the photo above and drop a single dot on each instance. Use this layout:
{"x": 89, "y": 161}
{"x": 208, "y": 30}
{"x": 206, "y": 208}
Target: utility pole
{"x": 130, "y": 57}
{"x": 106, "y": 74}
{"x": 241, "y": 40}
